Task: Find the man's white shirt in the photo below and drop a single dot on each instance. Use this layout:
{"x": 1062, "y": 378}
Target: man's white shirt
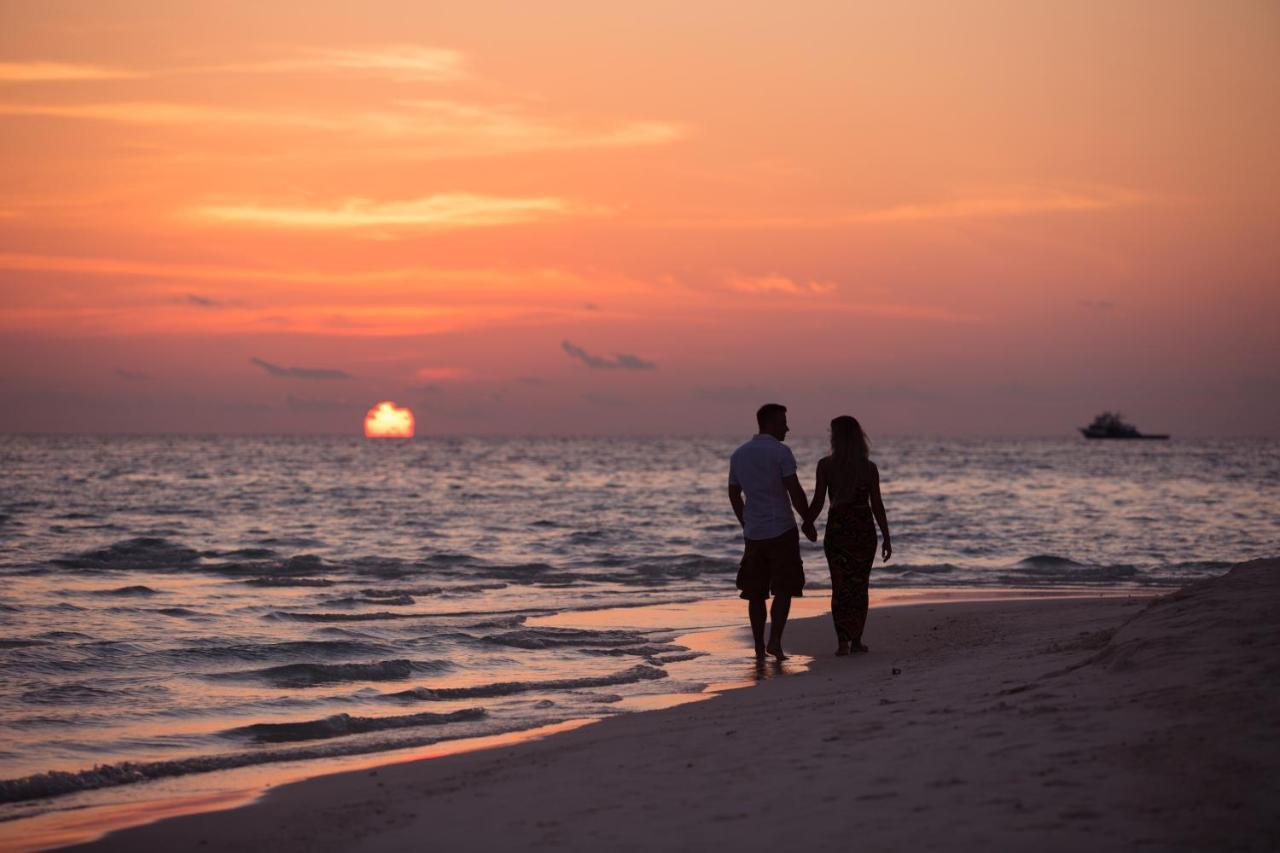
{"x": 758, "y": 467}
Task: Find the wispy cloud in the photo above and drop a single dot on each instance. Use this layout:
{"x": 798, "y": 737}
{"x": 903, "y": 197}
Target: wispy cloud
{"x": 779, "y": 284}
{"x": 149, "y": 269}
{"x": 162, "y": 113}
{"x": 621, "y": 361}
{"x": 132, "y": 375}
{"x": 1098, "y": 304}
{"x": 201, "y": 301}
{"x": 402, "y": 62}
{"x": 300, "y": 372}
{"x": 993, "y": 204}
{"x": 436, "y": 212}
{"x": 433, "y": 128}
{"x": 29, "y": 72}
{"x": 1016, "y": 202}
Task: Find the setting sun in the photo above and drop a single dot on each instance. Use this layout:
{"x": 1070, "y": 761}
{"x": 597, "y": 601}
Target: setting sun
{"x": 387, "y": 420}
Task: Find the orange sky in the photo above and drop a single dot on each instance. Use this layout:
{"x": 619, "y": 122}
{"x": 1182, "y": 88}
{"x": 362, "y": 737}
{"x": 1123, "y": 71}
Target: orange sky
{"x": 988, "y": 217}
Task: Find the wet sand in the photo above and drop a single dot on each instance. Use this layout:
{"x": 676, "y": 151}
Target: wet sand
{"x": 1102, "y": 723}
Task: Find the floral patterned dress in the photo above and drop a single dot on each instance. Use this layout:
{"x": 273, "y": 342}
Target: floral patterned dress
{"x": 850, "y": 545}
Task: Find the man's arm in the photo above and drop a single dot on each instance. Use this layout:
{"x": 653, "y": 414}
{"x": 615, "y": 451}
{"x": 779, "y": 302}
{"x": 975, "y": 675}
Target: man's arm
{"x": 735, "y": 499}
{"x": 796, "y": 493}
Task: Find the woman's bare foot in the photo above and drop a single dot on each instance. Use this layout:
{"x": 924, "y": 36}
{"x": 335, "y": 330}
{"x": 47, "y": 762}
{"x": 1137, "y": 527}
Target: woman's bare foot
{"x": 776, "y": 651}
{"x": 861, "y": 649}
{"x": 759, "y": 652}
{"x": 843, "y": 651}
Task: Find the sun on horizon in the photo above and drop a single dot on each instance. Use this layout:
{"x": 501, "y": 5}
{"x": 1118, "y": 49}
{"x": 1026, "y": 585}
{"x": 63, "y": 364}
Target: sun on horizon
{"x": 387, "y": 420}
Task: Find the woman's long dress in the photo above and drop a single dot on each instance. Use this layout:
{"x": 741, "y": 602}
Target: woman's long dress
{"x": 850, "y": 546}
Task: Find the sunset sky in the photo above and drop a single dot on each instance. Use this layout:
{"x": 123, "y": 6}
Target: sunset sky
{"x": 586, "y": 217}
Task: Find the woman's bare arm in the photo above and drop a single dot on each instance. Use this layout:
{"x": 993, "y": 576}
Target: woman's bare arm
{"x": 877, "y": 507}
{"x": 819, "y": 492}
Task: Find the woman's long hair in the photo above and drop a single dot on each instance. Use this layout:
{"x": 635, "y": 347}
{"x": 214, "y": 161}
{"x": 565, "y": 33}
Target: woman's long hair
{"x": 849, "y": 444}
{"x": 850, "y": 451}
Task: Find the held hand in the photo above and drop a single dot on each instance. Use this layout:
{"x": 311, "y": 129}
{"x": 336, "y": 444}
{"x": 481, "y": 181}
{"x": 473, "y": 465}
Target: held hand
{"x": 888, "y": 549}
{"x": 810, "y": 532}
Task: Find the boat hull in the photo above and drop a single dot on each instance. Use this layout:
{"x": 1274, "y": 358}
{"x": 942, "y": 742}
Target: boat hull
{"x": 1140, "y": 437}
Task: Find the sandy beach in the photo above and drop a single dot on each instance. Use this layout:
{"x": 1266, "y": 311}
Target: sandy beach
{"x": 1102, "y": 723}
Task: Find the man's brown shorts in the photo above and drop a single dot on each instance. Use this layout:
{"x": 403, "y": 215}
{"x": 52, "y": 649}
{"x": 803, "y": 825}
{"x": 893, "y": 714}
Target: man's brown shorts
{"x": 772, "y": 565}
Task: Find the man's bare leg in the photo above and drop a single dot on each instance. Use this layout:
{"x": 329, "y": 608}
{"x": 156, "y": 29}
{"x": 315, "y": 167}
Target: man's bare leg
{"x": 755, "y": 609}
{"x": 778, "y": 622}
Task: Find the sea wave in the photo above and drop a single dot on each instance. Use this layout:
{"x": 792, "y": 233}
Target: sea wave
{"x": 635, "y": 674}
{"x": 341, "y": 725}
{"x": 342, "y": 617}
{"x": 645, "y": 651}
{"x": 136, "y": 590}
{"x": 88, "y": 694}
{"x": 1050, "y": 568}
{"x": 218, "y": 651}
{"x": 57, "y": 782}
{"x": 384, "y": 600}
{"x": 553, "y": 638}
{"x": 141, "y": 552}
{"x": 918, "y": 568}
{"x": 316, "y": 674}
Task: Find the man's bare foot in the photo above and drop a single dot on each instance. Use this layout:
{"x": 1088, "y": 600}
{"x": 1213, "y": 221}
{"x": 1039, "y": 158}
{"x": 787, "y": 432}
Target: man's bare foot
{"x": 760, "y": 653}
{"x": 861, "y": 649}
{"x": 843, "y": 651}
{"x": 776, "y": 651}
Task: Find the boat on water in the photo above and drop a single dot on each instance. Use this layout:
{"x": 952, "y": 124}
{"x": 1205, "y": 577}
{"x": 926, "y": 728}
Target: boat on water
{"x": 1111, "y": 425}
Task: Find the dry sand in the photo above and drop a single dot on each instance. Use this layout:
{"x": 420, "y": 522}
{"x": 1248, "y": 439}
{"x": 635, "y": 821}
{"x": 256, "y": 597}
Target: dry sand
{"x": 1099, "y": 724}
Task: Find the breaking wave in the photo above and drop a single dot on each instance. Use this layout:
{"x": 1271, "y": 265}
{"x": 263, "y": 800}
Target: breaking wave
{"x": 340, "y": 725}
{"x": 637, "y": 673}
{"x": 315, "y": 674}
{"x": 56, "y": 782}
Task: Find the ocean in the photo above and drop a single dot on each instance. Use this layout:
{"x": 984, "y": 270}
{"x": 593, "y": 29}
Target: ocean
{"x": 172, "y": 606}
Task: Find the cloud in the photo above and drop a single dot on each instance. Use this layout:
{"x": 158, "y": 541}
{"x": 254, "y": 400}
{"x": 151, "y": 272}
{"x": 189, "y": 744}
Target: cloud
{"x": 530, "y": 380}
{"x": 300, "y": 372}
{"x": 992, "y": 204}
{"x": 29, "y": 72}
{"x": 1098, "y": 304}
{"x": 408, "y": 62}
{"x": 540, "y": 278}
{"x": 400, "y": 62}
{"x": 202, "y": 301}
{"x": 431, "y": 128}
{"x": 1017, "y": 202}
{"x": 132, "y": 375}
{"x": 436, "y": 212}
{"x": 779, "y": 284}
{"x": 620, "y": 361}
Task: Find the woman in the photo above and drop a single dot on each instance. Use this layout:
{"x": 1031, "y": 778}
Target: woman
{"x": 850, "y": 539}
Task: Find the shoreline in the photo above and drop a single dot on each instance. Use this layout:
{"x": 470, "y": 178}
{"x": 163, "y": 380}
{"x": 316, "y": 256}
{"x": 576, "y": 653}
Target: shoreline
{"x": 713, "y": 625}
{"x": 1102, "y": 723}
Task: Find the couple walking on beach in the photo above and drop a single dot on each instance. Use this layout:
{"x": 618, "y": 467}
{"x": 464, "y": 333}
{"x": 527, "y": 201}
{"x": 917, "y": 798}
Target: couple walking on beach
{"x": 764, "y": 489}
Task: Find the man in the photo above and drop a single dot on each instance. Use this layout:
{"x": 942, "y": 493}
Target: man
{"x": 765, "y": 470}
